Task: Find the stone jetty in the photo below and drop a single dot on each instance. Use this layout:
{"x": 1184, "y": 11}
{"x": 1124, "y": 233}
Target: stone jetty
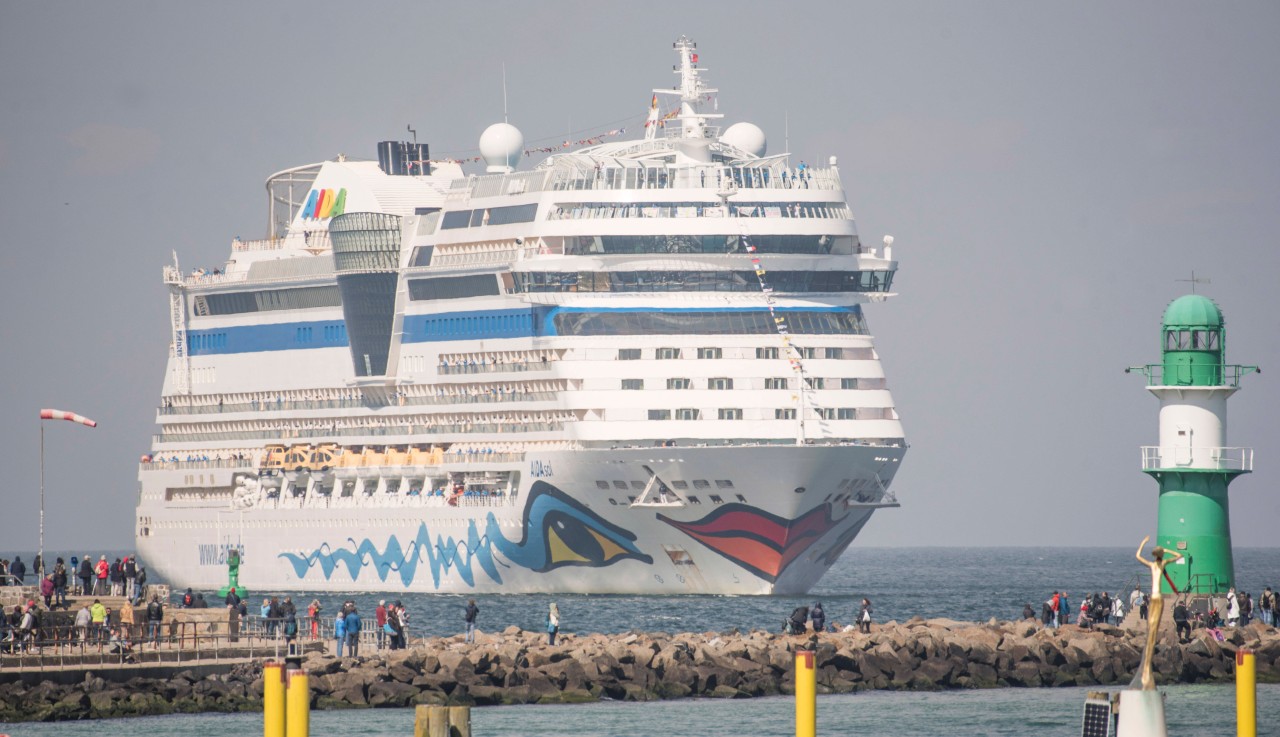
{"x": 516, "y": 667}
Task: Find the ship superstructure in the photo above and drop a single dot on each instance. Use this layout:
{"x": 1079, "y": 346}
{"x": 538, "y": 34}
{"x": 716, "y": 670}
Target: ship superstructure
{"x": 641, "y": 366}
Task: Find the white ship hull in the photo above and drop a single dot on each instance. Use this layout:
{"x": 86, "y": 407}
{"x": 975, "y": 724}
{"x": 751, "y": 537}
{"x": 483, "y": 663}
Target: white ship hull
{"x": 641, "y": 366}
{"x": 779, "y": 541}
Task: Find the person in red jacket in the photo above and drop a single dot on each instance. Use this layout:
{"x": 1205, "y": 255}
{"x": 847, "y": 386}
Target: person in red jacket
{"x": 380, "y": 616}
{"x": 103, "y": 570}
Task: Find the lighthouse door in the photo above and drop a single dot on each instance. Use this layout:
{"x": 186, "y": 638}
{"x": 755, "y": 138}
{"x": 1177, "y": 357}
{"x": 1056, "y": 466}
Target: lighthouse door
{"x": 1182, "y": 446}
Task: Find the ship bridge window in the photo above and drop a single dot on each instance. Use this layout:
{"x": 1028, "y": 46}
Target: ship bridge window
{"x": 730, "y": 414}
{"x": 681, "y": 485}
{"x": 694, "y": 500}
{"x": 628, "y": 354}
{"x": 602, "y": 484}
{"x": 633, "y": 384}
{"x": 454, "y": 287}
{"x": 712, "y": 353}
{"x": 620, "y": 485}
{"x": 701, "y": 484}
{"x": 422, "y": 256}
{"x": 666, "y": 354}
{"x": 775, "y": 383}
{"x": 456, "y": 219}
{"x": 720, "y": 383}
{"x": 688, "y": 413}
{"x": 659, "y": 414}
{"x": 724, "y": 484}
{"x": 267, "y": 300}
{"x": 512, "y": 214}
{"x": 679, "y": 383}
{"x": 730, "y": 322}
{"x": 767, "y": 353}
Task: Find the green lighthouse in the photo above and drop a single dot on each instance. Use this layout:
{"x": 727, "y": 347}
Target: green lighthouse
{"x": 1192, "y": 464}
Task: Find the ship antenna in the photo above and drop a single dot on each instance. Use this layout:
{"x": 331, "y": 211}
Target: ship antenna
{"x": 409, "y": 127}
{"x": 504, "y": 92}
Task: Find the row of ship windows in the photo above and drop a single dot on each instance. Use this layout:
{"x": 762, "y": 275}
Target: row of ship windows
{"x": 769, "y": 353}
{"x": 724, "y": 383}
{"x": 699, "y": 281}
{"x": 823, "y": 413}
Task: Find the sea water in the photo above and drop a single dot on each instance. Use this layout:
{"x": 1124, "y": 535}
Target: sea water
{"x": 1191, "y": 711}
{"x": 968, "y": 584}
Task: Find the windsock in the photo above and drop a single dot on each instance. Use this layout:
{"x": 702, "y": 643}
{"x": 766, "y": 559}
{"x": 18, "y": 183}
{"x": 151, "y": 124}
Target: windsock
{"x": 57, "y": 414}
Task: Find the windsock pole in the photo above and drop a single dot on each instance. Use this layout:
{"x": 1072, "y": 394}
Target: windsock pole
{"x": 53, "y": 414}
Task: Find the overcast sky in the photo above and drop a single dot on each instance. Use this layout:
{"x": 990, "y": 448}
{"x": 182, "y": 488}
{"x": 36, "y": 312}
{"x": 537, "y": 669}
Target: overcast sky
{"x": 1049, "y": 170}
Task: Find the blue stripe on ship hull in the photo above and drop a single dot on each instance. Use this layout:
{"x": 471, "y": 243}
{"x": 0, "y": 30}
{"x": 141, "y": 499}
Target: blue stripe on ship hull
{"x": 430, "y": 328}
{"x": 282, "y": 336}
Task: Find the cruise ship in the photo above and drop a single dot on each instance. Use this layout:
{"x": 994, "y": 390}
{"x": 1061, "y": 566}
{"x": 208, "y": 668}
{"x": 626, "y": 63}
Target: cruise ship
{"x": 639, "y": 366}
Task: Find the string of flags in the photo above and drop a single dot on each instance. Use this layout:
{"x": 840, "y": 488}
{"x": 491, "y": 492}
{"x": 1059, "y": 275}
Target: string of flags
{"x": 779, "y": 319}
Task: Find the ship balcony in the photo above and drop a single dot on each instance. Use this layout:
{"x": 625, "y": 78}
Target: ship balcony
{"x": 1188, "y": 458}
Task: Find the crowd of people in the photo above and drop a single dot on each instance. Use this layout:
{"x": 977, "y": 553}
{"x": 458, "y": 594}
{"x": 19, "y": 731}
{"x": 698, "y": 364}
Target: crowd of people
{"x": 802, "y": 616}
{"x": 1234, "y": 609}
{"x": 78, "y": 577}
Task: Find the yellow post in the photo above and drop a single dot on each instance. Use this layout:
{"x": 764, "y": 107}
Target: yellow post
{"x": 806, "y": 695}
{"x": 298, "y": 723}
{"x": 1246, "y": 694}
{"x": 273, "y": 700}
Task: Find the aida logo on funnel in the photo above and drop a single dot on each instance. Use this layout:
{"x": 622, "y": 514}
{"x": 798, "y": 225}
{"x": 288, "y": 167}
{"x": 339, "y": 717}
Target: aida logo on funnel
{"x": 322, "y": 204}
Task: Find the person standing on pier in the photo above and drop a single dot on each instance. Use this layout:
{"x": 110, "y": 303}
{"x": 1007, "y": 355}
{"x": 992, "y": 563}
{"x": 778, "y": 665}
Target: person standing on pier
{"x": 126, "y": 623}
{"x": 60, "y": 583}
{"x": 1267, "y": 606}
{"x": 103, "y": 570}
{"x": 98, "y": 615}
{"x": 85, "y": 572}
{"x": 353, "y": 626}
{"x": 469, "y": 618}
{"x": 340, "y": 630}
{"x": 864, "y": 617}
{"x": 155, "y": 618}
{"x": 553, "y": 623}
{"x": 130, "y": 576}
{"x": 380, "y": 619}
{"x": 313, "y": 615}
{"x": 17, "y": 571}
{"x": 83, "y": 619}
{"x": 818, "y": 617}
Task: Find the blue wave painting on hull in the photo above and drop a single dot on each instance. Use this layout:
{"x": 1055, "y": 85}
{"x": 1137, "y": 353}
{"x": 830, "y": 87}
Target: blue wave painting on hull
{"x": 558, "y": 531}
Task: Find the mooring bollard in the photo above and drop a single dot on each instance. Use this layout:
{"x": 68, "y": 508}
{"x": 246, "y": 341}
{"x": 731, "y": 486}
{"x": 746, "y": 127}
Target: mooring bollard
{"x": 298, "y": 721}
{"x": 273, "y": 700}
{"x": 1246, "y": 694}
{"x": 806, "y": 695}
{"x": 442, "y": 721}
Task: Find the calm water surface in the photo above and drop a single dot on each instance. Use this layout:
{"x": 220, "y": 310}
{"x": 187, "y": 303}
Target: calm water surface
{"x": 1192, "y": 711}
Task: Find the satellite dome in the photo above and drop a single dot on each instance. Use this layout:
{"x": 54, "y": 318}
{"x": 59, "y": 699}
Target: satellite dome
{"x": 746, "y": 136}
{"x": 501, "y": 145}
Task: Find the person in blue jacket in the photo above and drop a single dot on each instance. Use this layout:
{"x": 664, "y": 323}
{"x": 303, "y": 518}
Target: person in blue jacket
{"x": 353, "y": 632}
{"x": 340, "y": 631}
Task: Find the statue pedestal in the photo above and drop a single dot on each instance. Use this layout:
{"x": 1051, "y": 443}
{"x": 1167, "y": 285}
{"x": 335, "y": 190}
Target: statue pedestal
{"x": 1141, "y": 714}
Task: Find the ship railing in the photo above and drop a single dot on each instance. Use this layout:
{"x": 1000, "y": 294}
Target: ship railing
{"x": 1174, "y": 457}
{"x": 305, "y": 239}
{"x": 270, "y": 406}
{"x": 103, "y": 645}
{"x": 493, "y": 368}
{"x": 1227, "y": 374}
{"x": 716, "y": 178}
{"x": 398, "y": 499}
{"x": 482, "y": 257}
{"x": 333, "y": 431}
{"x": 163, "y": 464}
{"x": 801, "y": 210}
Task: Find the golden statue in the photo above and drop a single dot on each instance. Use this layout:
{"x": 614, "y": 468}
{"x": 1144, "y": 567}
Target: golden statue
{"x": 1156, "y": 607}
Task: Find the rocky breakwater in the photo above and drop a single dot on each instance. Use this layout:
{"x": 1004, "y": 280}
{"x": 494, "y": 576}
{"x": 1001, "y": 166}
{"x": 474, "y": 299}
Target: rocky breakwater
{"x": 516, "y": 667}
